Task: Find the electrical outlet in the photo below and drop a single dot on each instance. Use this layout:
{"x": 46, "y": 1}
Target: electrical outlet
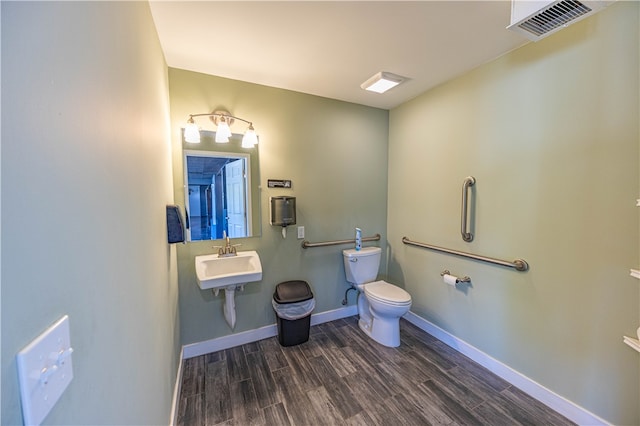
{"x": 300, "y": 232}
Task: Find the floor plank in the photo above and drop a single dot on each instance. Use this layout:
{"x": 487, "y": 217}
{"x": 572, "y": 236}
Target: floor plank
{"x": 341, "y": 395}
{"x": 302, "y": 372}
{"x": 217, "y": 393}
{"x": 236, "y": 364}
{"x": 276, "y": 415}
{"x": 244, "y": 404}
{"x": 262, "y": 379}
{"x": 295, "y": 401}
{"x": 342, "y": 377}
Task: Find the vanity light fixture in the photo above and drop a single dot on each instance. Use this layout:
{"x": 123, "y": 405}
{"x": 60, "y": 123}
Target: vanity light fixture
{"x": 382, "y": 81}
{"x": 223, "y": 120}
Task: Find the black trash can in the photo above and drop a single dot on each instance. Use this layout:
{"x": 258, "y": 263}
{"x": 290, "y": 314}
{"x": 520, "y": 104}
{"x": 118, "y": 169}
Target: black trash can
{"x": 293, "y": 302}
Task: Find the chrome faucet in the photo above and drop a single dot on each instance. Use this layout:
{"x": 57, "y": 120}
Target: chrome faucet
{"x": 228, "y": 249}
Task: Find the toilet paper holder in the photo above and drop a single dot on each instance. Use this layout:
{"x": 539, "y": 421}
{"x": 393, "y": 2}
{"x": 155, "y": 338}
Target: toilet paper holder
{"x": 464, "y": 279}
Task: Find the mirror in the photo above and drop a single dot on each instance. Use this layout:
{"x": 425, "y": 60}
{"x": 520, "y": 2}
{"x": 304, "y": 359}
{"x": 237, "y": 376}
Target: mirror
{"x": 222, "y": 188}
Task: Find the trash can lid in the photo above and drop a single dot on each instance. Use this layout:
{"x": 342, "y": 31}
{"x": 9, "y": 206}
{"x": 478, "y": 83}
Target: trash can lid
{"x": 292, "y": 291}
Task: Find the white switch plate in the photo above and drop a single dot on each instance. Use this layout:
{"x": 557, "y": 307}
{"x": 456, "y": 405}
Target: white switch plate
{"x": 300, "y": 232}
{"x": 44, "y": 371}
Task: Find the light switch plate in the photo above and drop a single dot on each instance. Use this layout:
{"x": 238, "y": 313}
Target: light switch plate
{"x": 44, "y": 371}
{"x": 300, "y": 232}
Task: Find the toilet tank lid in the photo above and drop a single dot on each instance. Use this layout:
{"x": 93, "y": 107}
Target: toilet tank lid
{"x": 365, "y": 251}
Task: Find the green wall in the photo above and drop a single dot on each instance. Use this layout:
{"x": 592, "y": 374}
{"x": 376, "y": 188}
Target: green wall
{"x": 86, "y": 175}
{"x": 336, "y": 155}
{"x": 550, "y": 132}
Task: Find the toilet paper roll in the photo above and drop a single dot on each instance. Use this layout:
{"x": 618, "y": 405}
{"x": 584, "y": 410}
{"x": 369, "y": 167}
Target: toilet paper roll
{"x": 638, "y": 333}
{"x": 449, "y": 279}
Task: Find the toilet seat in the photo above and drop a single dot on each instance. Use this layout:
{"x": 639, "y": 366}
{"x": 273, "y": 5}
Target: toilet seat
{"x": 386, "y": 293}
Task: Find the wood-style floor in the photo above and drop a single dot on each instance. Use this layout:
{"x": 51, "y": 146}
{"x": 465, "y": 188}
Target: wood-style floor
{"x": 341, "y": 377}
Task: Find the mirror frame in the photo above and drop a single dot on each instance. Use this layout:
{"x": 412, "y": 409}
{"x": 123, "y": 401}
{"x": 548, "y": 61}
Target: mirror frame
{"x": 209, "y": 148}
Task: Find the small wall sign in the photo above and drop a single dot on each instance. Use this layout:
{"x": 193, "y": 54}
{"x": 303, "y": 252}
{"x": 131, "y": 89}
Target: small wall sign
{"x": 279, "y": 183}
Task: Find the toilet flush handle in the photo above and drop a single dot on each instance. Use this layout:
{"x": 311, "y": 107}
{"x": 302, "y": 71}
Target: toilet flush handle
{"x": 353, "y": 259}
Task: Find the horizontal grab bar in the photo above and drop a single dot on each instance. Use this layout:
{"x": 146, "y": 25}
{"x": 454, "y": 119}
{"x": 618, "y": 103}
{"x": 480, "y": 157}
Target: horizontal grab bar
{"x": 518, "y": 264}
{"x": 307, "y": 244}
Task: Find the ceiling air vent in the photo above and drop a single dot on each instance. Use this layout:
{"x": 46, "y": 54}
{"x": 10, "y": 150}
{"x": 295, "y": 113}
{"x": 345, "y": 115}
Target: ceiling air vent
{"x": 538, "y": 19}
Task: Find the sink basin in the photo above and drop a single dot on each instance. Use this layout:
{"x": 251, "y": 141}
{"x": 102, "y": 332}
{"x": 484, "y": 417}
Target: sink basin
{"x": 216, "y": 272}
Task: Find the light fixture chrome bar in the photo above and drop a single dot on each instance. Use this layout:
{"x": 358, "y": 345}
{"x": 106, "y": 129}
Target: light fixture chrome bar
{"x": 518, "y": 264}
{"x": 307, "y": 244}
{"x": 215, "y": 114}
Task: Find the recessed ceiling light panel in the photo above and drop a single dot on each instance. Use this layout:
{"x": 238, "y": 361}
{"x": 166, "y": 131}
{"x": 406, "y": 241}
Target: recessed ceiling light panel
{"x": 382, "y": 81}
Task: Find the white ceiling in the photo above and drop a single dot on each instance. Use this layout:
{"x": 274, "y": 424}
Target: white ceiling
{"x": 328, "y": 48}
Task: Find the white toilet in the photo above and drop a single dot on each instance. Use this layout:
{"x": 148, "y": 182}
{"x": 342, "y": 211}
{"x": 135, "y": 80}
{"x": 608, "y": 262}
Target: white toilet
{"x": 380, "y": 304}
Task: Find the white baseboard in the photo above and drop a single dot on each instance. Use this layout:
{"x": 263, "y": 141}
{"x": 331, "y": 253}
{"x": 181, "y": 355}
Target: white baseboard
{"x": 562, "y": 405}
{"x": 229, "y": 341}
{"x": 173, "y": 419}
{"x": 237, "y": 339}
{"x": 333, "y": 315}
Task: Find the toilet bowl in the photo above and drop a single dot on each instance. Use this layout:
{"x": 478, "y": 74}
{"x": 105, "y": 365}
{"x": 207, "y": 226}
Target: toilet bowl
{"x": 380, "y": 304}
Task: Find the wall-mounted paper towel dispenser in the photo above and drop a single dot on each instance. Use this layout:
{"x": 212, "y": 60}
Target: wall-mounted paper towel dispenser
{"x": 175, "y": 226}
{"x": 283, "y": 211}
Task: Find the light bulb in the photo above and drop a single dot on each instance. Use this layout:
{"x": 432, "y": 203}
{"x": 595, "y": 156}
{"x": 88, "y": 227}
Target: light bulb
{"x": 250, "y": 139}
{"x": 191, "y": 132}
{"x": 223, "y": 132}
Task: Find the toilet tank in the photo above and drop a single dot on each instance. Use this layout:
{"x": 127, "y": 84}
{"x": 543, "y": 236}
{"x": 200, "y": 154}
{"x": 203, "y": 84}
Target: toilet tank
{"x": 361, "y": 266}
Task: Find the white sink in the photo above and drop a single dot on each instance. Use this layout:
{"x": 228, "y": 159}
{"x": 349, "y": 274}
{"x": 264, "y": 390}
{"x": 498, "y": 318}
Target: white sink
{"x": 214, "y": 272}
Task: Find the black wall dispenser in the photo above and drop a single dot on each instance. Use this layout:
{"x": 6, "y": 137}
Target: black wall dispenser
{"x": 283, "y": 212}
{"x": 175, "y": 227}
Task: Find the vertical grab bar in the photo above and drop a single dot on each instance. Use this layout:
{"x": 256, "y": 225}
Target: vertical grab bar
{"x": 468, "y": 182}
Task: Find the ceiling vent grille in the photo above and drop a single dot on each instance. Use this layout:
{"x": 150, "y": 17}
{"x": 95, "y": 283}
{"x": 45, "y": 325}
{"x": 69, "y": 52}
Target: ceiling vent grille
{"x": 538, "y": 19}
{"x": 557, "y": 15}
